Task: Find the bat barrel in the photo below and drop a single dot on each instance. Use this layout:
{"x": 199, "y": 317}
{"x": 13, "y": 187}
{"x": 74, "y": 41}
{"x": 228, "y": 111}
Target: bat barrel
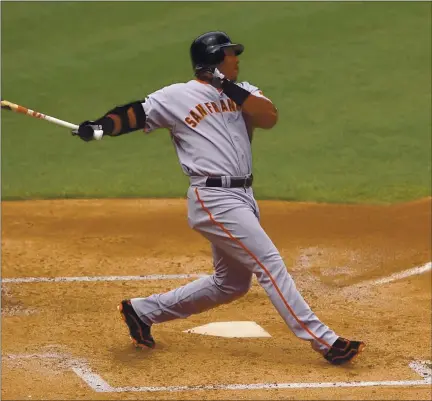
{"x": 24, "y": 110}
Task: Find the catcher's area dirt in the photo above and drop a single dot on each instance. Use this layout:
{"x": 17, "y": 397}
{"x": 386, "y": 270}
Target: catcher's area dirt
{"x": 327, "y": 249}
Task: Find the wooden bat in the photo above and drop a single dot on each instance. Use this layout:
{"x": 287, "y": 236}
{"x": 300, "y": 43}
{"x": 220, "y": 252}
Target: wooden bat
{"x": 24, "y": 110}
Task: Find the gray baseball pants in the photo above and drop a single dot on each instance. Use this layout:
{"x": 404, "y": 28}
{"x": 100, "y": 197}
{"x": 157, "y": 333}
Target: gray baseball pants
{"x": 229, "y": 219}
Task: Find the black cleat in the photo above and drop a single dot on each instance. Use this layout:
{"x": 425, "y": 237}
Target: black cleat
{"x": 343, "y": 351}
{"x": 138, "y": 330}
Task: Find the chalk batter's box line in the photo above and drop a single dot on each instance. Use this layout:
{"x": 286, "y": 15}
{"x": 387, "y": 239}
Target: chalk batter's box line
{"x": 394, "y": 277}
{"x": 101, "y": 278}
{"x": 99, "y": 385}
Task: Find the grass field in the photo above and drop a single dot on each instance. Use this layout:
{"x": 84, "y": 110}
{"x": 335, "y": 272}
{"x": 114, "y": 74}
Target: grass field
{"x": 352, "y": 82}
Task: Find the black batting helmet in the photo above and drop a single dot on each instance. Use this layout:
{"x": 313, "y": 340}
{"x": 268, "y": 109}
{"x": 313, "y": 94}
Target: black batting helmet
{"x": 207, "y": 50}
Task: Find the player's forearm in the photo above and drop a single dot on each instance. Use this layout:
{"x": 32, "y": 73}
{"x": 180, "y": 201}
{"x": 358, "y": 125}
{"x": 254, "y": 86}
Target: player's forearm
{"x": 261, "y": 111}
{"x": 122, "y": 119}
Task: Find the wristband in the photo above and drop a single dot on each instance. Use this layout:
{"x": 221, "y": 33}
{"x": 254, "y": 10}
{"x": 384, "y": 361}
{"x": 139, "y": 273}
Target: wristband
{"x": 234, "y": 92}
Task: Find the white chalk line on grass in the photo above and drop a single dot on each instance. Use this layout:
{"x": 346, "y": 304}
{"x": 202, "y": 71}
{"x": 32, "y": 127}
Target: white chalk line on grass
{"x": 98, "y": 384}
{"x": 397, "y": 276}
{"x": 101, "y": 278}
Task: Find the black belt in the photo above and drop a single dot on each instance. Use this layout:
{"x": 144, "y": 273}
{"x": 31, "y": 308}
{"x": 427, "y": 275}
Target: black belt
{"x": 230, "y": 182}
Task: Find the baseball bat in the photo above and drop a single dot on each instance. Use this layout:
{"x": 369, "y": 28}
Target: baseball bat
{"x": 24, "y": 110}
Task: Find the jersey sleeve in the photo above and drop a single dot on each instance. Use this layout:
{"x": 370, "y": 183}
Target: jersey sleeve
{"x": 157, "y": 110}
{"x": 254, "y": 90}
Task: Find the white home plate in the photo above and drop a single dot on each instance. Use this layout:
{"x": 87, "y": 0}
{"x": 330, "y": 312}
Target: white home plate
{"x": 230, "y": 330}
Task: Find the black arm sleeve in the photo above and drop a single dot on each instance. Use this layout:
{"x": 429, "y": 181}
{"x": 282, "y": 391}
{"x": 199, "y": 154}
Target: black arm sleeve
{"x": 123, "y": 119}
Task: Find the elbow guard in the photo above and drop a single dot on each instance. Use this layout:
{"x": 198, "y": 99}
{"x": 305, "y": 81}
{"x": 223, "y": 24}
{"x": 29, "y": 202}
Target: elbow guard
{"x": 123, "y": 119}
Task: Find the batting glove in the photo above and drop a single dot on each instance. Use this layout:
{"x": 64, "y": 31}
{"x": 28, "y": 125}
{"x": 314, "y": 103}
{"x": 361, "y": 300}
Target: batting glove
{"x": 88, "y": 130}
{"x": 217, "y": 78}
{"x": 218, "y": 75}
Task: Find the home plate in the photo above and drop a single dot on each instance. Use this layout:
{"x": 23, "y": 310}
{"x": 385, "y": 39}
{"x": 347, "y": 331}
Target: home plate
{"x": 230, "y": 330}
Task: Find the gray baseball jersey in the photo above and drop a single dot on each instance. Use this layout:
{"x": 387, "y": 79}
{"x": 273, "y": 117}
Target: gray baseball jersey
{"x": 211, "y": 139}
{"x": 207, "y": 127}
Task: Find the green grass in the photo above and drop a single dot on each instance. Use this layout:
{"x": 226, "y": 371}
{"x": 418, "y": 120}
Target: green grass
{"x": 352, "y": 82}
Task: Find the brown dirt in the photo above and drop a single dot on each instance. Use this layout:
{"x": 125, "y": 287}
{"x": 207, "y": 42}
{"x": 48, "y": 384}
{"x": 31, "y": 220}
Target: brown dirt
{"x": 327, "y": 249}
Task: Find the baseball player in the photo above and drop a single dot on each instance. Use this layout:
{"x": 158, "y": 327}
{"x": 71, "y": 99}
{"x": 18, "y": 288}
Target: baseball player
{"x": 211, "y": 119}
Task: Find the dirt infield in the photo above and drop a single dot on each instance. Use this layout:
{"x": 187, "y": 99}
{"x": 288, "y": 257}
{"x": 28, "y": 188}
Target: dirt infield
{"x": 328, "y": 249}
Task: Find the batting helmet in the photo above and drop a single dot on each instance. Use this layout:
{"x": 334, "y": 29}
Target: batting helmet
{"x": 207, "y": 50}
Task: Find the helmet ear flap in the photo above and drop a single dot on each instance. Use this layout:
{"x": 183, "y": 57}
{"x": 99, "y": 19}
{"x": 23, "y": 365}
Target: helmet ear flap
{"x": 215, "y": 55}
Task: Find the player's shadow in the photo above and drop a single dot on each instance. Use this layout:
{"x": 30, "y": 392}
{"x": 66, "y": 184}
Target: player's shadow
{"x": 128, "y": 353}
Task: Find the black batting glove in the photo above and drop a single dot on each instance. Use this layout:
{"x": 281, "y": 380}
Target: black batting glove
{"x": 88, "y": 130}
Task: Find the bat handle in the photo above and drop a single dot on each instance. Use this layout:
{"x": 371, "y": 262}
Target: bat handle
{"x": 60, "y": 122}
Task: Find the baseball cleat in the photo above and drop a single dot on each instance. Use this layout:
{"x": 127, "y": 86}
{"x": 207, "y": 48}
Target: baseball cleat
{"x": 138, "y": 330}
{"x": 343, "y": 351}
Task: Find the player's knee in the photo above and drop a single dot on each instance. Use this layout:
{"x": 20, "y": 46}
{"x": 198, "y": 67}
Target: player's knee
{"x": 237, "y": 293}
{"x": 237, "y": 290}
{"x": 241, "y": 291}
{"x": 245, "y": 287}
{"x": 234, "y": 290}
